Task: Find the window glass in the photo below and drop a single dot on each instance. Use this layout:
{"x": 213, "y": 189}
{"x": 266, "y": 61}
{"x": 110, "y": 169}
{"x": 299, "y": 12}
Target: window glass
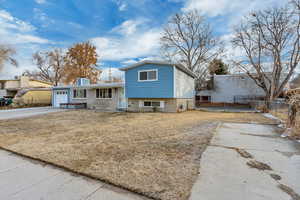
{"x": 147, "y": 103}
{"x": 79, "y": 93}
{"x": 156, "y": 104}
{"x": 109, "y": 93}
{"x": 148, "y": 75}
{"x": 104, "y": 93}
{"x": 152, "y": 75}
{"x": 143, "y": 76}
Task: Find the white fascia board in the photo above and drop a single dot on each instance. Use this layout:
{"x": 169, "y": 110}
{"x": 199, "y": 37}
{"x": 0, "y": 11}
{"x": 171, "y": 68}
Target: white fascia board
{"x": 174, "y": 81}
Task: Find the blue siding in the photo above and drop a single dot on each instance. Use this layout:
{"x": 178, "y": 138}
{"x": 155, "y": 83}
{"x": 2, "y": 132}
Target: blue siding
{"x": 162, "y": 88}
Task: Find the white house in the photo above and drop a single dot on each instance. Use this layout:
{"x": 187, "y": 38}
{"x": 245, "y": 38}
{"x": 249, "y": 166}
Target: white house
{"x": 231, "y": 88}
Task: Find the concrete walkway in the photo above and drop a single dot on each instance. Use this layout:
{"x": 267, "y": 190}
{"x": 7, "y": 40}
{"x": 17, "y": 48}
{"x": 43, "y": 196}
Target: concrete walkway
{"x": 25, "y": 179}
{"x": 26, "y": 112}
{"x": 225, "y": 175}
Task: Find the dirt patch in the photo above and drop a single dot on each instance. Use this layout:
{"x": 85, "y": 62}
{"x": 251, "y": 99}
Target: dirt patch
{"x": 244, "y": 153}
{"x": 289, "y": 191}
{"x": 155, "y": 154}
{"x": 275, "y": 177}
{"x": 258, "y": 165}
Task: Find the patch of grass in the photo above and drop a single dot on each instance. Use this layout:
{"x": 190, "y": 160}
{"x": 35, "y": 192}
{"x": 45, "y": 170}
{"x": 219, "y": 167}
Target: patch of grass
{"x": 156, "y": 154}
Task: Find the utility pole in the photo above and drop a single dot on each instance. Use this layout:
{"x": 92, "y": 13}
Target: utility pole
{"x": 109, "y": 75}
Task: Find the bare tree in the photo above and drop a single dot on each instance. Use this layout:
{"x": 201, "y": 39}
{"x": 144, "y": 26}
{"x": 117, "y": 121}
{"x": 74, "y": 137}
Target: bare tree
{"x": 50, "y": 66}
{"x": 6, "y": 55}
{"x": 188, "y": 39}
{"x": 270, "y": 42}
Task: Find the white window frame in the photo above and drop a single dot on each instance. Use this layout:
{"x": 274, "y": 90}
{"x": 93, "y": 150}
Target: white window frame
{"x": 79, "y": 97}
{"x": 148, "y": 70}
{"x": 104, "y": 89}
{"x": 161, "y": 104}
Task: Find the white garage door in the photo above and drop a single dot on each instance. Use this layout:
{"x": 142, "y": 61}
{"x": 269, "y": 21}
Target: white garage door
{"x": 61, "y": 96}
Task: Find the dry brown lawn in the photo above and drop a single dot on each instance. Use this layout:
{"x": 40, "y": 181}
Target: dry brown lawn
{"x": 156, "y": 154}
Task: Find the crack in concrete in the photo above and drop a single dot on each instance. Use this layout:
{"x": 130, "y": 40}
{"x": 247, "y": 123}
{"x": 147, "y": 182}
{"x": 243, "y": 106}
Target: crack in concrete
{"x": 288, "y": 154}
{"x": 285, "y": 153}
{"x": 258, "y": 135}
{"x": 92, "y": 193}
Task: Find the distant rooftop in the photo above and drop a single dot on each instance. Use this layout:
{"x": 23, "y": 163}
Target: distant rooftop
{"x": 98, "y": 85}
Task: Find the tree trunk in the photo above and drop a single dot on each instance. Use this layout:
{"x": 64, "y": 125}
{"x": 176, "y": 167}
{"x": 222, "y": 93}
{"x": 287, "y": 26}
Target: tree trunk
{"x": 292, "y": 116}
{"x": 268, "y": 101}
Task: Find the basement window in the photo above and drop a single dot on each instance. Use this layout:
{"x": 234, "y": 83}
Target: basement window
{"x": 152, "y": 104}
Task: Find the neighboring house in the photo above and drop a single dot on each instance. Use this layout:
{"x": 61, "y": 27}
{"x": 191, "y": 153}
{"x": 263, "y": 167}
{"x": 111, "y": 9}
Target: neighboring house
{"x": 162, "y": 86}
{"x": 234, "y": 88}
{"x": 104, "y": 96}
{"x": 26, "y": 91}
{"x": 148, "y": 86}
{"x": 295, "y": 83}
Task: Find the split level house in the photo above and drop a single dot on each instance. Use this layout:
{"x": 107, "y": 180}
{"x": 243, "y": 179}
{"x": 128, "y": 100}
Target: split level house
{"x": 26, "y": 90}
{"x": 148, "y": 86}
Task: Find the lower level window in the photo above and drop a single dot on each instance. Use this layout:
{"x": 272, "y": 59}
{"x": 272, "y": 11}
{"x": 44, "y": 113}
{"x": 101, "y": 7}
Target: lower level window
{"x": 79, "y": 93}
{"x": 152, "y": 104}
{"x": 105, "y": 93}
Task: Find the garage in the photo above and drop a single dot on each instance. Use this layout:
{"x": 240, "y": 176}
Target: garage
{"x": 60, "y": 96}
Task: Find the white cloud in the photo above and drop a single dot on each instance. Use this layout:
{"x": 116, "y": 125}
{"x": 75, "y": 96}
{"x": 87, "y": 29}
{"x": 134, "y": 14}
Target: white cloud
{"x": 133, "y": 61}
{"x": 22, "y": 36}
{"x": 16, "y": 31}
{"x": 131, "y": 41}
{"x": 7, "y": 21}
{"x": 122, "y": 5}
{"x": 233, "y": 9}
{"x": 42, "y": 17}
{"x": 41, "y": 1}
{"x": 129, "y": 62}
{"x": 115, "y": 72}
{"x": 129, "y": 27}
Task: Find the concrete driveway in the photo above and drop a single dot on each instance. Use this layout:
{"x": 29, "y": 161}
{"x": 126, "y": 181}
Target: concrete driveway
{"x": 225, "y": 175}
{"x": 26, "y": 112}
{"x": 25, "y": 179}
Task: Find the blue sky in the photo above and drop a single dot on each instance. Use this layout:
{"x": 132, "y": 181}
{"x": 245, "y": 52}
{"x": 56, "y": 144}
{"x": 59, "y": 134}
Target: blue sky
{"x": 124, "y": 31}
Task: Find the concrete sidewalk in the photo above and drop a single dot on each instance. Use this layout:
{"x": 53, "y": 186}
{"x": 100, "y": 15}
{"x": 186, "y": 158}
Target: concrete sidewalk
{"x": 26, "y": 112}
{"x": 26, "y": 179}
{"x": 225, "y": 175}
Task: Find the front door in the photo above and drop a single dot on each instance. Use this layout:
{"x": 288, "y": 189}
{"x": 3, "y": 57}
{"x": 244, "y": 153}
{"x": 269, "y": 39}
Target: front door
{"x": 122, "y": 103}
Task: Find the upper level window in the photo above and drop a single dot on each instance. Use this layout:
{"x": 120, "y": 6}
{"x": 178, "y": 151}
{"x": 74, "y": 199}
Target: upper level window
{"x": 105, "y": 93}
{"x": 148, "y": 75}
{"x": 79, "y": 93}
